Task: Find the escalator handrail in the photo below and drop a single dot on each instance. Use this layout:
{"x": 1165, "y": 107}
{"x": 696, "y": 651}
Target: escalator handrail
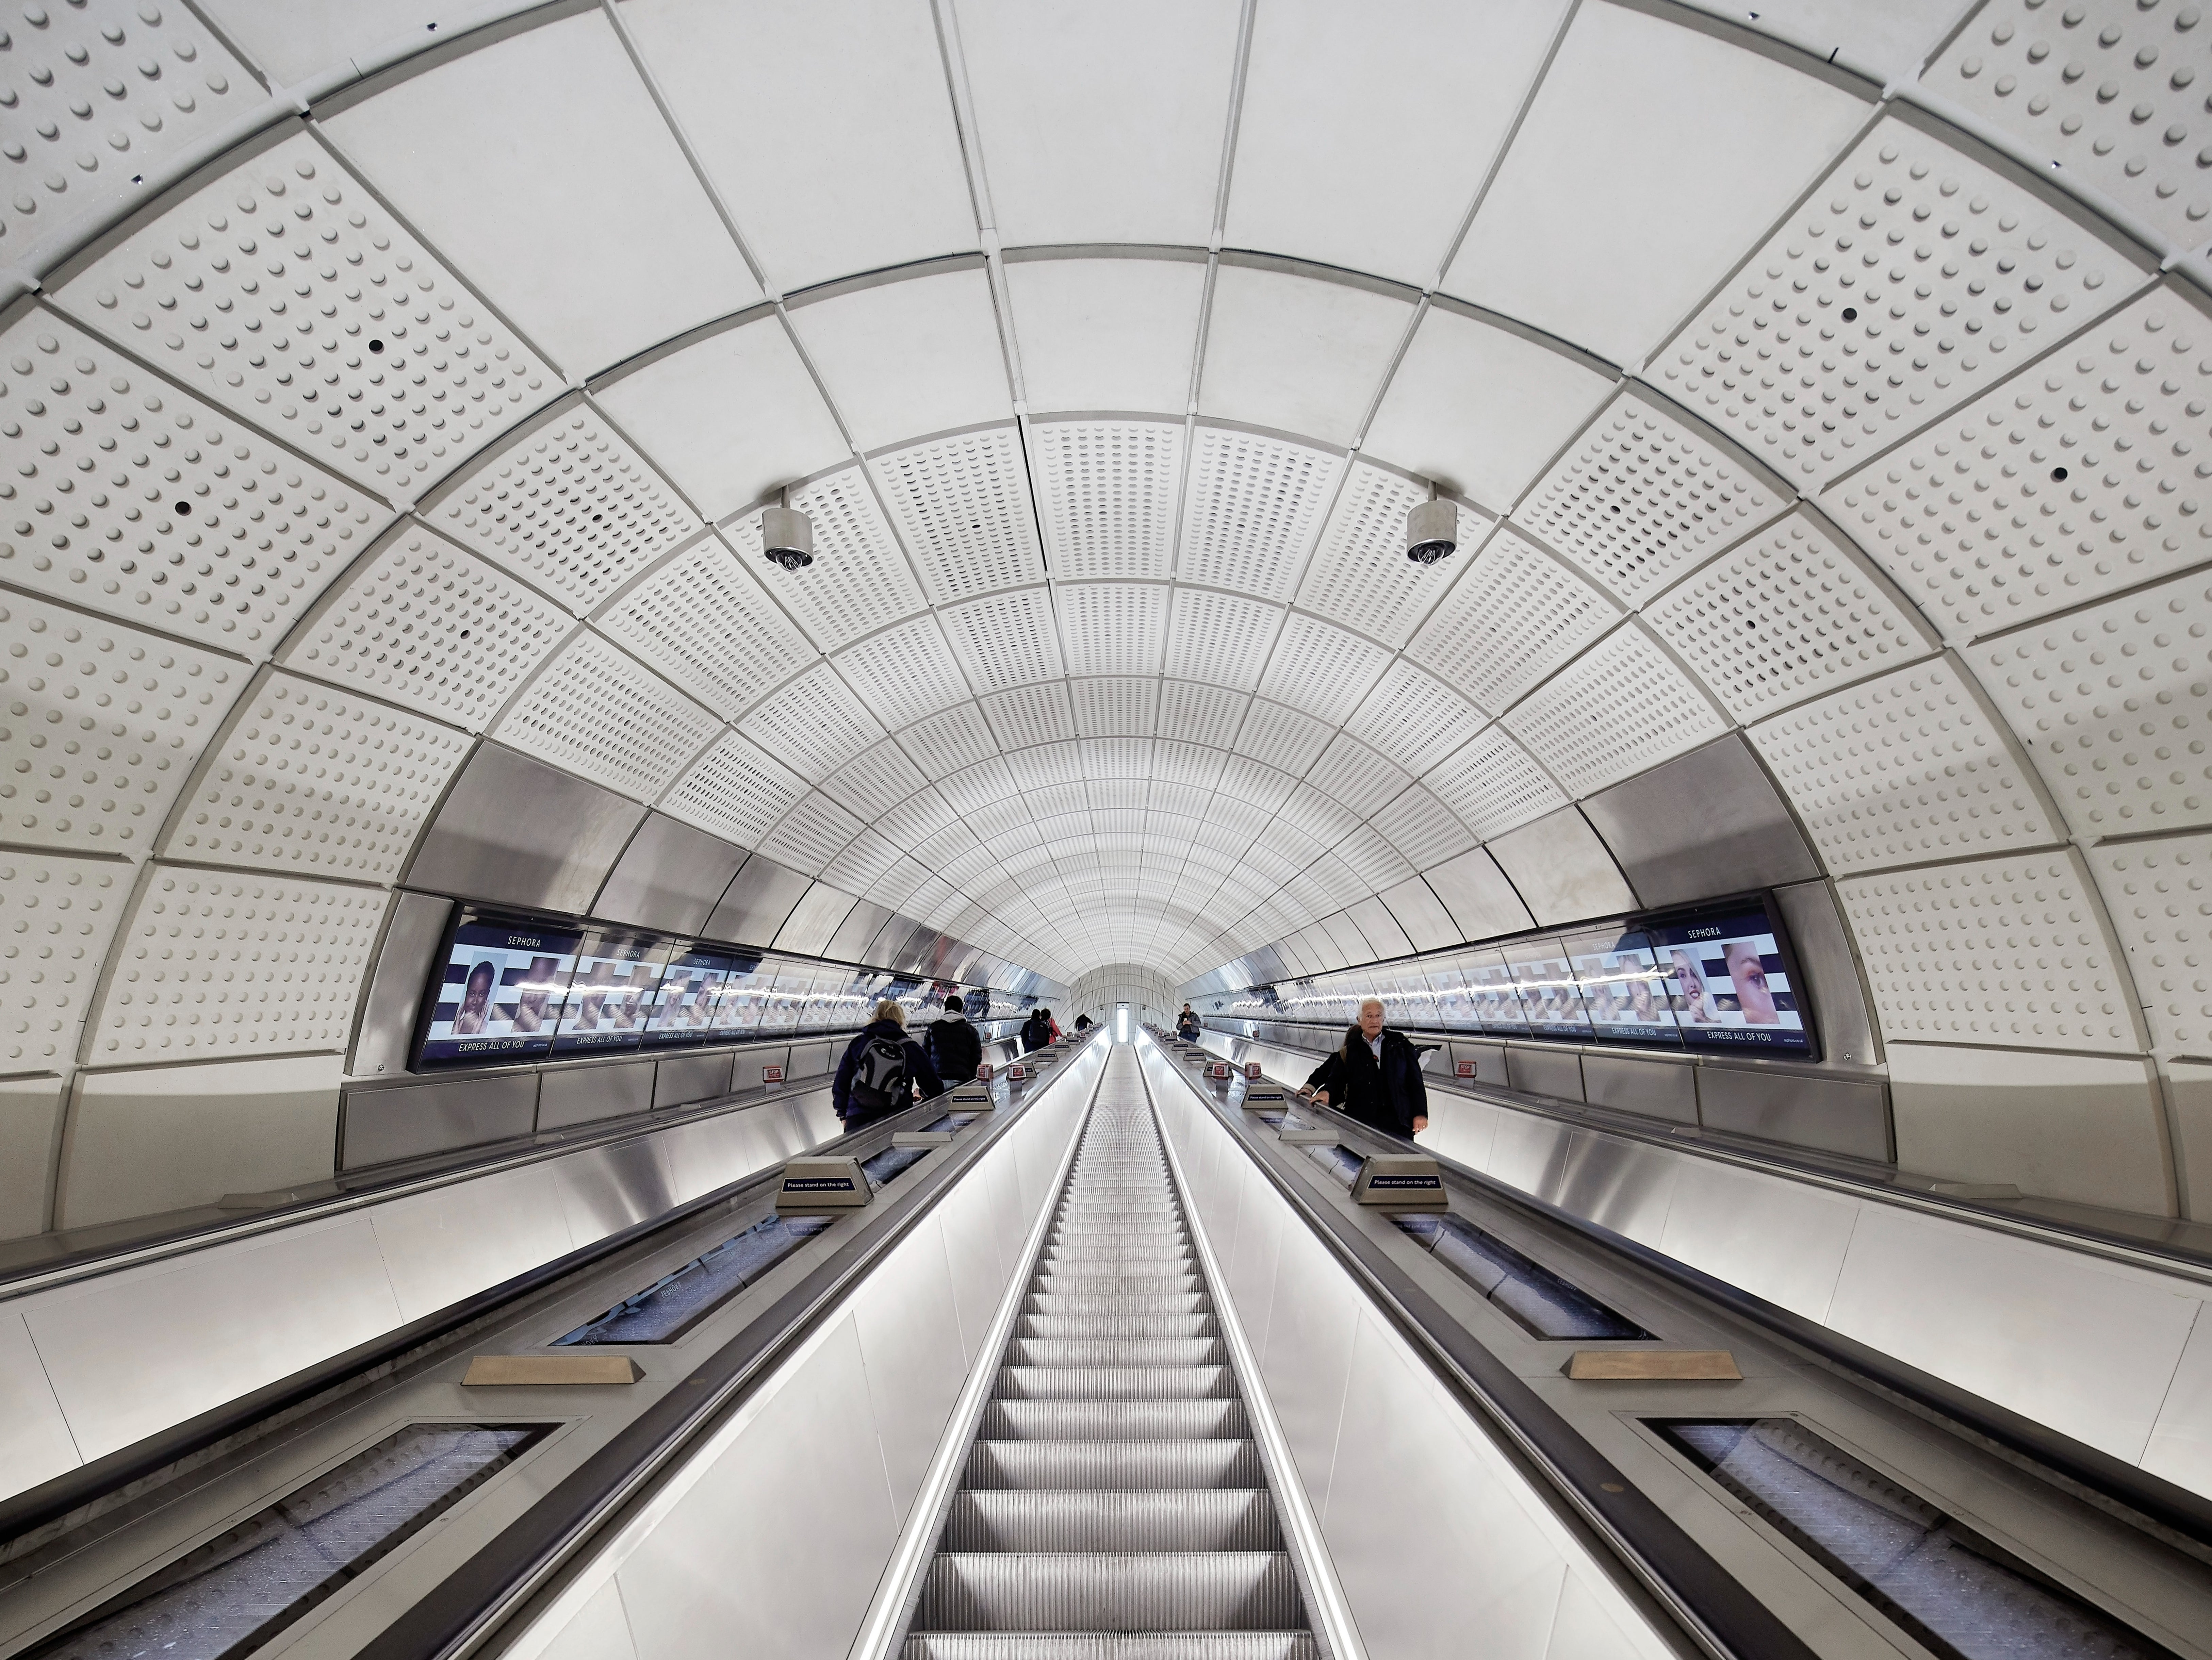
{"x": 1712, "y": 1605}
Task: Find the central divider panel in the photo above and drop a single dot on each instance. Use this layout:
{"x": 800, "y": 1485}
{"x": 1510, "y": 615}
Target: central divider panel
{"x": 1114, "y": 1488}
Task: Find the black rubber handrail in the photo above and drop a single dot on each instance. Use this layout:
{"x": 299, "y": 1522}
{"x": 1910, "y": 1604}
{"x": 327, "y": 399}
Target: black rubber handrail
{"x": 470, "y": 1602}
{"x": 73, "y": 1490}
{"x": 2127, "y": 1488}
{"x": 1716, "y": 1610}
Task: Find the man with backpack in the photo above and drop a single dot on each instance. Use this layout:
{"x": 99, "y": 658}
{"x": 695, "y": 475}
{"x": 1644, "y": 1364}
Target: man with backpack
{"x": 952, "y": 1045}
{"x": 880, "y": 1069}
{"x": 1037, "y": 1030}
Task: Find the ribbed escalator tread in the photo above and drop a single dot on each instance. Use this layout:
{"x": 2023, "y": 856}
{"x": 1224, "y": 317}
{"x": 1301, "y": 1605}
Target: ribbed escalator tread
{"x": 1114, "y": 1505}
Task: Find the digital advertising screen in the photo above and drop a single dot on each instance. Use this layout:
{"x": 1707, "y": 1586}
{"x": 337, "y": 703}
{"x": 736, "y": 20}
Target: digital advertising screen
{"x": 742, "y": 997}
{"x": 1496, "y": 999}
{"x": 500, "y": 992}
{"x": 684, "y": 1005}
{"x": 1732, "y": 985}
{"x": 1627, "y": 995}
{"x": 610, "y": 995}
{"x": 1551, "y": 1002}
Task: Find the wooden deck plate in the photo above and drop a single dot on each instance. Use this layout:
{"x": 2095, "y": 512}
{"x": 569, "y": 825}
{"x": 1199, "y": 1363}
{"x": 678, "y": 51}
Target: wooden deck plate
{"x": 1691, "y": 1365}
{"x": 532, "y": 1370}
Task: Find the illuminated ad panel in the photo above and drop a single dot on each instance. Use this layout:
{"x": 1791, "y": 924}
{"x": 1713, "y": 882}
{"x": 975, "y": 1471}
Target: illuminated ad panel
{"x": 500, "y": 996}
{"x": 1732, "y": 985}
{"x": 610, "y": 995}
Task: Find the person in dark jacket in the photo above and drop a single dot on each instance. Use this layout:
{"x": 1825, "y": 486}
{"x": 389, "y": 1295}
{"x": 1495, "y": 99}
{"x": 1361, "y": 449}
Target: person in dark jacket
{"x": 953, "y": 1047}
{"x": 1187, "y": 1024}
{"x": 868, "y": 1070}
{"x": 1082, "y": 1024}
{"x": 1036, "y": 1032}
{"x": 1375, "y": 1076}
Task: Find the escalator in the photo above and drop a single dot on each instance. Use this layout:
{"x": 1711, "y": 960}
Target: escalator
{"x": 1113, "y": 1502}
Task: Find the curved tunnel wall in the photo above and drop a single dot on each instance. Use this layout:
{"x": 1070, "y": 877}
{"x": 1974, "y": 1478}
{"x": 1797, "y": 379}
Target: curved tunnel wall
{"x": 1150, "y": 994}
{"x": 431, "y": 424}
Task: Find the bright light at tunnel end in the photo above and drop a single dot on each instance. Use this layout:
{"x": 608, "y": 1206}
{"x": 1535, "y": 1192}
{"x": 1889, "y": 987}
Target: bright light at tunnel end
{"x": 1121, "y": 1024}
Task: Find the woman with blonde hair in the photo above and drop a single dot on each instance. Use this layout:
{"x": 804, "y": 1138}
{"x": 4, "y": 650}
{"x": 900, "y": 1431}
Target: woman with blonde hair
{"x": 880, "y": 1069}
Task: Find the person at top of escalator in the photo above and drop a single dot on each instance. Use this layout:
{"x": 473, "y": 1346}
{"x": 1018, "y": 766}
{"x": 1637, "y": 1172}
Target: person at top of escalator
{"x": 952, "y": 1045}
{"x": 881, "y": 1069}
{"x": 1187, "y": 1024}
{"x": 1082, "y": 1024}
{"x": 1037, "y": 1030}
{"x": 1375, "y": 1076}
{"x": 1052, "y": 1026}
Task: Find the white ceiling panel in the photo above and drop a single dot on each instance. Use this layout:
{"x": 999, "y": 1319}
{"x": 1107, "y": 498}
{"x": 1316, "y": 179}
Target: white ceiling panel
{"x": 858, "y": 581}
{"x": 1201, "y": 714}
{"x": 904, "y": 671}
{"x": 1322, "y": 669}
{"x": 812, "y": 833}
{"x": 1492, "y": 785}
{"x": 729, "y": 418}
{"x": 1046, "y": 764}
{"x": 1281, "y": 737}
{"x": 705, "y": 622}
{"x": 1106, "y": 495}
{"x": 947, "y": 741}
{"x": 1122, "y": 141}
{"x": 1124, "y": 706}
{"x": 1106, "y": 334}
{"x": 602, "y": 715}
{"x": 963, "y": 504}
{"x": 1621, "y": 707}
{"x": 875, "y": 782}
{"x": 1356, "y": 775}
{"x": 1647, "y": 135}
{"x": 1297, "y": 353}
{"x": 1253, "y": 510}
{"x": 557, "y": 186}
{"x": 1113, "y": 628}
{"x": 881, "y": 184}
{"x": 1220, "y": 637}
{"x": 1479, "y": 409}
{"x": 904, "y": 358}
{"x": 814, "y": 724}
{"x": 1515, "y": 614}
{"x": 1356, "y": 152}
{"x": 1414, "y": 718}
{"x": 1423, "y": 828}
{"x": 1360, "y": 576}
{"x": 1008, "y": 640}
{"x": 1031, "y": 714}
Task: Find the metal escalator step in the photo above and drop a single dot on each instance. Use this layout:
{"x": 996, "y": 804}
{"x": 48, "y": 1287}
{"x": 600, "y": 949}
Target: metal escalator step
{"x": 1116, "y": 1352}
{"x": 1124, "y": 1465}
{"x": 1111, "y": 1645}
{"x": 1107, "y": 1283}
{"x": 1172, "y": 1383}
{"x": 1102, "y": 1592}
{"x": 1082, "y": 1303}
{"x": 1116, "y": 1325}
{"x": 1116, "y": 1520}
{"x": 1114, "y": 1421}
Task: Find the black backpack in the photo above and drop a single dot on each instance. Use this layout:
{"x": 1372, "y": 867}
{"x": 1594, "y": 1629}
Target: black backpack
{"x": 881, "y": 1082}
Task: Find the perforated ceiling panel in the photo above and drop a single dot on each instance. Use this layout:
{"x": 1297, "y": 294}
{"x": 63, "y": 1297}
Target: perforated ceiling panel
{"x": 1253, "y": 511}
{"x": 1322, "y": 669}
{"x": 812, "y": 833}
{"x": 1007, "y": 639}
{"x": 1113, "y": 708}
{"x": 214, "y": 963}
{"x": 1423, "y": 828}
{"x": 287, "y": 292}
{"x": 1785, "y": 614}
{"x": 1031, "y": 714}
{"x": 1220, "y": 637}
{"x": 598, "y": 714}
{"x": 703, "y": 620}
{"x": 1911, "y": 278}
{"x": 1493, "y": 784}
{"x": 102, "y": 728}
{"x": 1641, "y": 499}
{"x": 1414, "y": 718}
{"x": 138, "y": 500}
{"x": 948, "y": 741}
{"x": 859, "y": 581}
{"x": 2079, "y": 478}
{"x": 1903, "y": 770}
{"x": 1113, "y": 628}
{"x": 423, "y": 624}
{"x": 2105, "y": 90}
{"x": 316, "y": 781}
{"x": 2009, "y": 951}
{"x": 1281, "y": 737}
{"x": 1106, "y": 494}
{"x": 814, "y": 725}
{"x": 2115, "y": 703}
{"x": 571, "y": 507}
{"x": 1515, "y": 614}
{"x": 1360, "y": 576}
{"x": 1614, "y": 711}
{"x": 963, "y": 504}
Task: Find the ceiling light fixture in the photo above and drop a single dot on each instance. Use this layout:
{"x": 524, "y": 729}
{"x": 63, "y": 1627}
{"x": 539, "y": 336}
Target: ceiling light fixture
{"x": 787, "y": 535}
{"x": 1431, "y": 530}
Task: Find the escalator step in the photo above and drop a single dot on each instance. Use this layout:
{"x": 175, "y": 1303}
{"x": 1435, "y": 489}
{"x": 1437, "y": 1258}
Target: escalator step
{"x": 1170, "y": 1383}
{"x": 1125, "y": 1465}
{"x": 1159, "y": 1519}
{"x": 1112, "y": 1645}
{"x": 1114, "y": 1420}
{"x": 1110, "y": 1591}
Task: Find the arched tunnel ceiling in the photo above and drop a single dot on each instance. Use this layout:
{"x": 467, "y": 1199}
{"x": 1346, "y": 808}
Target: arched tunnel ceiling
{"x": 1107, "y": 347}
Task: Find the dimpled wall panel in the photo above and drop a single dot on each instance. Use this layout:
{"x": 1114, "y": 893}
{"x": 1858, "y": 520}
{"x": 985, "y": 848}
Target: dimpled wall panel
{"x": 59, "y": 914}
{"x": 220, "y": 963}
{"x": 2158, "y": 893}
{"x": 2007, "y": 951}
{"x": 135, "y": 500}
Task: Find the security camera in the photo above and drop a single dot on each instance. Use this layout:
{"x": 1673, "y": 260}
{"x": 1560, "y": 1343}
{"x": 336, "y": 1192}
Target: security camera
{"x": 1431, "y": 531}
{"x": 787, "y": 535}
